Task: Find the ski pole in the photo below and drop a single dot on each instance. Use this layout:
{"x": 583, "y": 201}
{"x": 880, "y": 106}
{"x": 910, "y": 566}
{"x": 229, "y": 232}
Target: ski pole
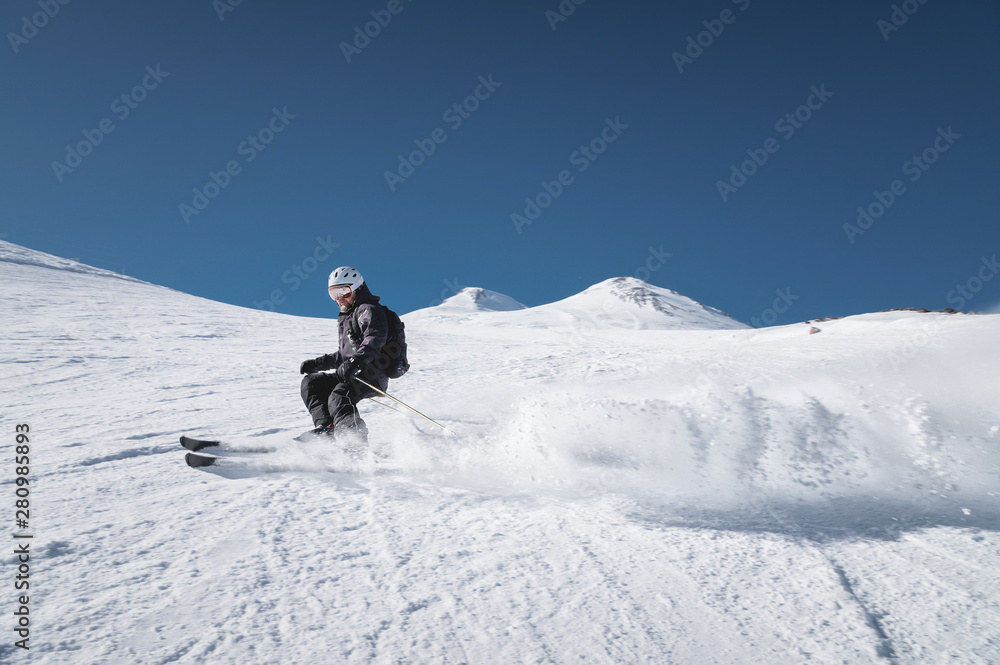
{"x": 391, "y": 408}
{"x": 402, "y": 404}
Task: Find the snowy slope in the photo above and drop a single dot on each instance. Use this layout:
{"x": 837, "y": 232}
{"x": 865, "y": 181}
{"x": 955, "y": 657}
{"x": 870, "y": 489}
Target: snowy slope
{"x": 640, "y": 495}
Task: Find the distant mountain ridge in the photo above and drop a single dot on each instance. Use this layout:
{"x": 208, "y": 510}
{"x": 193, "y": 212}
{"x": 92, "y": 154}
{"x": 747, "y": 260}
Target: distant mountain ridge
{"x": 619, "y": 302}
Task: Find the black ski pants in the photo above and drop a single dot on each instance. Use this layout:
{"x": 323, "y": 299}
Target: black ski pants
{"x": 332, "y": 402}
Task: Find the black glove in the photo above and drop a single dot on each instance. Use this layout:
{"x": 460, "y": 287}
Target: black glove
{"x": 350, "y": 367}
{"x": 310, "y": 366}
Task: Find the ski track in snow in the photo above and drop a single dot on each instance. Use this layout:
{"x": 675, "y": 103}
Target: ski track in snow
{"x": 635, "y": 496}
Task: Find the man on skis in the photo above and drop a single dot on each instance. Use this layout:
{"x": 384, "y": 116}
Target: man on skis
{"x": 363, "y": 329}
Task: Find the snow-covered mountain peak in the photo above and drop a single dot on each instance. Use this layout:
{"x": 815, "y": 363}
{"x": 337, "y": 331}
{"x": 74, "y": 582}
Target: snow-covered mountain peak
{"x": 627, "y": 302}
{"x": 635, "y": 292}
{"x": 474, "y": 299}
{"x": 468, "y": 303}
{"x": 631, "y": 290}
{"x": 619, "y": 302}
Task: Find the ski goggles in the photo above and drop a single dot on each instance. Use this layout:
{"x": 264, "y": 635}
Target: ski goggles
{"x": 340, "y": 291}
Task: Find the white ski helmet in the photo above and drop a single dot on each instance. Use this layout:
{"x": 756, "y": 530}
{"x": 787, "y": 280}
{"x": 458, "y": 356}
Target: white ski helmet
{"x": 346, "y": 275}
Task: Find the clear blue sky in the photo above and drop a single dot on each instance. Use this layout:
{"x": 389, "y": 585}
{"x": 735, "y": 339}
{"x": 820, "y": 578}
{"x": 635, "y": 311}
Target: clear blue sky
{"x": 608, "y": 71}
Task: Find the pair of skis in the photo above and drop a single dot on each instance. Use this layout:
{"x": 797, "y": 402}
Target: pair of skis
{"x": 197, "y": 459}
{"x": 239, "y": 461}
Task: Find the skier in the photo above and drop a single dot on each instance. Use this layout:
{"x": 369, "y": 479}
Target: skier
{"x": 363, "y": 330}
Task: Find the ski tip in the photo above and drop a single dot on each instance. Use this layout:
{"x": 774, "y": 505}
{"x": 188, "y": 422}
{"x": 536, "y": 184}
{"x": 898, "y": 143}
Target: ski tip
{"x": 197, "y": 444}
{"x": 196, "y": 461}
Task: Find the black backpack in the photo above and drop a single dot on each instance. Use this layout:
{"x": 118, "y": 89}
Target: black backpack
{"x": 392, "y": 359}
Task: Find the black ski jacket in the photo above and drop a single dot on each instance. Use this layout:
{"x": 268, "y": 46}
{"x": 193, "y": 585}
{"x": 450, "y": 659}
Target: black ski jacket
{"x": 362, "y": 331}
